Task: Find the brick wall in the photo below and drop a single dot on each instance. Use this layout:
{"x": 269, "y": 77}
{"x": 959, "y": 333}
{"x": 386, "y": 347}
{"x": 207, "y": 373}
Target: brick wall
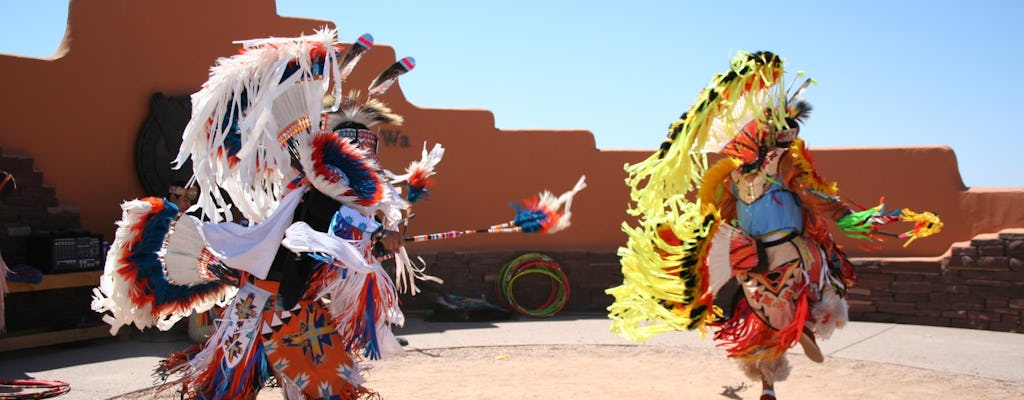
{"x": 978, "y": 284}
{"x": 474, "y": 274}
{"x": 34, "y": 209}
{"x": 31, "y": 209}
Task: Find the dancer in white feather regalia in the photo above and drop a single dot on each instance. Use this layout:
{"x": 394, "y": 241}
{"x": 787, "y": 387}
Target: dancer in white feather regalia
{"x": 273, "y": 138}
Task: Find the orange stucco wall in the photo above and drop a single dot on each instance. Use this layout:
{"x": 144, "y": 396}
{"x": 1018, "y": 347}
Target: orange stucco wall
{"x": 78, "y": 114}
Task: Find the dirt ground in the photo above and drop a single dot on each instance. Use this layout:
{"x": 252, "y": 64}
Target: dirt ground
{"x": 642, "y": 372}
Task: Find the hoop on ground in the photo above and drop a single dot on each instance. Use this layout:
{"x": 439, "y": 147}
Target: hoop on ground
{"x": 43, "y": 389}
{"x": 533, "y": 263}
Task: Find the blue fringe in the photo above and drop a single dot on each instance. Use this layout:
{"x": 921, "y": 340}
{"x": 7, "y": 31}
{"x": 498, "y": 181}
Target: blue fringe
{"x": 144, "y": 255}
{"x": 416, "y": 193}
{"x": 531, "y": 221}
{"x": 368, "y": 337}
{"x": 253, "y": 374}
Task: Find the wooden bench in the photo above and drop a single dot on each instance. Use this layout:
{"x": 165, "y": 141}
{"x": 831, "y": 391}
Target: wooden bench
{"x": 29, "y": 339}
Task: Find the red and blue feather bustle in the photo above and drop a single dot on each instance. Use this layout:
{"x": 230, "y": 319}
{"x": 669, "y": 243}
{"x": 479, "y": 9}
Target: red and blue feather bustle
{"x": 134, "y": 287}
{"x": 344, "y": 172}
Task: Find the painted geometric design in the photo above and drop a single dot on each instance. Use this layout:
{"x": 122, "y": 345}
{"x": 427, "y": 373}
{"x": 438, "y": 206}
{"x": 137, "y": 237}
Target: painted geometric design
{"x": 309, "y": 351}
{"x": 773, "y": 296}
{"x": 313, "y": 336}
{"x": 245, "y": 309}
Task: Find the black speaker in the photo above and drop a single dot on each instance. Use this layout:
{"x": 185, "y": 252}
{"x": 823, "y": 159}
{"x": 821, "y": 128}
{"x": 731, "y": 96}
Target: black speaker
{"x": 58, "y": 253}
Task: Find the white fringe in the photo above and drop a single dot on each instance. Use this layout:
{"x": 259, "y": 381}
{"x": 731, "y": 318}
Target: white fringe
{"x": 718, "y": 259}
{"x": 549, "y": 201}
{"x": 427, "y": 163}
{"x": 263, "y": 171}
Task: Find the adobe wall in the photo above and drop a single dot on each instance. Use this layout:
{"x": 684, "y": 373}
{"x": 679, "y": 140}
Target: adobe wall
{"x": 78, "y": 113}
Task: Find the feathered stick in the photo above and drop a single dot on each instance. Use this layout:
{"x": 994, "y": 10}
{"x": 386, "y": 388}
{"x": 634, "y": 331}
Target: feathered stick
{"x": 542, "y": 214}
{"x": 865, "y": 224}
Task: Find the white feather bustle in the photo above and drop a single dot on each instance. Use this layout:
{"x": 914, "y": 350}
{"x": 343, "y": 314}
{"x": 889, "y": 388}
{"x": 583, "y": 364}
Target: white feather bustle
{"x": 112, "y": 297}
{"x": 829, "y": 314}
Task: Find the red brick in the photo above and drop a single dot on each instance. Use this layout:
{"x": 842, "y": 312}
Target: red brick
{"x": 1005, "y": 326}
{"x": 861, "y": 306}
{"x": 993, "y": 303}
{"x": 968, "y": 306}
{"x": 986, "y": 239}
{"x": 916, "y": 298}
{"x": 29, "y": 179}
{"x": 1016, "y": 264}
{"x": 10, "y": 165}
{"x": 955, "y": 314}
{"x": 968, "y": 323}
{"x": 984, "y": 316}
{"x": 965, "y": 251}
{"x": 896, "y": 308}
{"x": 911, "y": 267}
{"x": 862, "y": 297}
{"x": 1015, "y": 248}
{"x": 948, "y": 288}
{"x": 860, "y": 291}
{"x": 994, "y": 261}
{"x": 992, "y": 250}
{"x": 929, "y": 308}
{"x": 962, "y": 261}
{"x": 1008, "y": 277}
{"x": 988, "y": 282}
{"x": 874, "y": 280}
{"x": 943, "y": 298}
{"x": 865, "y": 262}
{"x": 1012, "y": 234}
{"x": 911, "y": 287}
{"x": 985, "y": 263}
{"x": 1017, "y": 304}
{"x": 989, "y": 292}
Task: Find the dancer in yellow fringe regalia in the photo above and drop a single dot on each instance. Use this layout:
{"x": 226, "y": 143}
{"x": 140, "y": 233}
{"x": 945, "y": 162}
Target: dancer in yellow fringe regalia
{"x": 741, "y": 247}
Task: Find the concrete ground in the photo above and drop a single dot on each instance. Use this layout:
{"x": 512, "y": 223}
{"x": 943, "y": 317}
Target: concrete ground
{"x": 578, "y": 357}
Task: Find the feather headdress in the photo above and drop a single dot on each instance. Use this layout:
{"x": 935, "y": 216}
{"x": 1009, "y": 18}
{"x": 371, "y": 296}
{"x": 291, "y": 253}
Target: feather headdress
{"x": 243, "y": 118}
{"x": 255, "y": 121}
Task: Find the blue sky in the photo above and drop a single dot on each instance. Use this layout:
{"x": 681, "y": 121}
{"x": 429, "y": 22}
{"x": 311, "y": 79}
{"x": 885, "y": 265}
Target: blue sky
{"x": 890, "y": 73}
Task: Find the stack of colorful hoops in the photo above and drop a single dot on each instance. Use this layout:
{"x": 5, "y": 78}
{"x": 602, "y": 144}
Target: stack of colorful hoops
{"x": 533, "y": 263}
